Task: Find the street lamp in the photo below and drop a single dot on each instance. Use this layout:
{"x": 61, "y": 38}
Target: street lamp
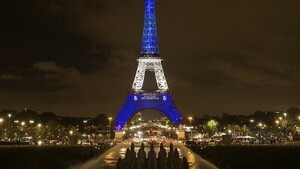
{"x": 31, "y": 121}
{"x": 190, "y": 118}
{"x": 85, "y": 121}
{"x": 110, "y": 119}
{"x": 229, "y": 131}
{"x": 277, "y": 122}
{"x": 298, "y": 117}
{"x": 9, "y": 115}
{"x": 285, "y": 123}
{"x": 1, "y": 121}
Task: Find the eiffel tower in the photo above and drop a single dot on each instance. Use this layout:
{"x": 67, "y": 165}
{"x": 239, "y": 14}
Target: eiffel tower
{"x": 149, "y": 60}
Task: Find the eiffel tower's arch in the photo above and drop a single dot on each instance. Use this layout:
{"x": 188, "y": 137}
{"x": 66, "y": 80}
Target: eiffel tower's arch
{"x": 137, "y": 102}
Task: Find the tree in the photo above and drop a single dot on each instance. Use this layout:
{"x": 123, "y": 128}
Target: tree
{"x": 212, "y": 127}
{"x": 46, "y": 116}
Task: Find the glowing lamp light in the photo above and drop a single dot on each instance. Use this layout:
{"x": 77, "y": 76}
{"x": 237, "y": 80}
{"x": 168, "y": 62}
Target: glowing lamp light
{"x": 40, "y": 142}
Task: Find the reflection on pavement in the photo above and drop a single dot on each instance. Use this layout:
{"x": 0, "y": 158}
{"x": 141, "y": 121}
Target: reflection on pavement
{"x": 109, "y": 159}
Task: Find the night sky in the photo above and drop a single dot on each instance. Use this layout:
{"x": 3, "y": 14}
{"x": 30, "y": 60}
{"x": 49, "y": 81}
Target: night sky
{"x": 78, "y": 57}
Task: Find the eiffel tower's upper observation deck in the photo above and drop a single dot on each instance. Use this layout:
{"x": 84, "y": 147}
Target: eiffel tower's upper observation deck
{"x": 149, "y": 41}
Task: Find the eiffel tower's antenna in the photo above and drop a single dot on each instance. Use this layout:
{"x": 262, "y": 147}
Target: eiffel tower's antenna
{"x": 149, "y": 41}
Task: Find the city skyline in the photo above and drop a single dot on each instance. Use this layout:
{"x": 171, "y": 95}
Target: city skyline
{"x": 79, "y": 58}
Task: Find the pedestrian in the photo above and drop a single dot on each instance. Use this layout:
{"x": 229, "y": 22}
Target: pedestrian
{"x": 152, "y": 158}
{"x": 185, "y": 164}
{"x": 177, "y": 163}
{"x": 132, "y": 155}
{"x": 119, "y": 163}
{"x": 170, "y": 157}
{"x": 141, "y": 157}
{"x": 126, "y": 160}
{"x": 162, "y": 158}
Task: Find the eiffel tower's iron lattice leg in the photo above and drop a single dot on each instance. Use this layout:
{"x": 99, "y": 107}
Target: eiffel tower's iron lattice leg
{"x": 139, "y": 77}
{"x": 160, "y": 76}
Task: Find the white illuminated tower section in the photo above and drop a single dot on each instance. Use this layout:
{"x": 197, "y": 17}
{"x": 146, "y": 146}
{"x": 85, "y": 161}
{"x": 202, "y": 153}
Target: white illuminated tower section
{"x": 149, "y": 59}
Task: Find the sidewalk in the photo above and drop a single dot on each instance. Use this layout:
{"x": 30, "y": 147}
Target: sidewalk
{"x": 109, "y": 158}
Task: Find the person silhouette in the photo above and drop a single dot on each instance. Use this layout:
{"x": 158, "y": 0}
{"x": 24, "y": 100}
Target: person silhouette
{"x": 152, "y": 157}
{"x": 126, "y": 160}
{"x": 162, "y": 158}
{"x": 177, "y": 163}
{"x": 132, "y": 155}
{"x": 170, "y": 159}
{"x": 141, "y": 157}
{"x": 119, "y": 163}
{"x": 185, "y": 164}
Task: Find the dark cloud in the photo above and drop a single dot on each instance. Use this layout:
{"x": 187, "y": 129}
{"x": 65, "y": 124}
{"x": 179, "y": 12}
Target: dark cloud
{"x": 76, "y": 57}
{"x": 9, "y": 77}
{"x": 36, "y": 31}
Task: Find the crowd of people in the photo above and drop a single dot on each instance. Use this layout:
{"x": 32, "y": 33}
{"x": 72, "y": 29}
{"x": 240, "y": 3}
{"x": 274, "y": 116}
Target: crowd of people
{"x": 163, "y": 160}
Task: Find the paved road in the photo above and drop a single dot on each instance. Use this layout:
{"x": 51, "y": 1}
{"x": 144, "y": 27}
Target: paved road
{"x": 108, "y": 159}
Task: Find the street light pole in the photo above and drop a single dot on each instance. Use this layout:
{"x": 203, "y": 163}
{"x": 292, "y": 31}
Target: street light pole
{"x": 84, "y": 122}
{"x": 285, "y": 124}
{"x": 1, "y": 121}
{"x": 191, "y": 118}
{"x": 9, "y": 115}
{"x": 110, "y": 119}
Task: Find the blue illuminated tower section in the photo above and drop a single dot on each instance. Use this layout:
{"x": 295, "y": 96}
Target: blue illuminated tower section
{"x": 149, "y": 42}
